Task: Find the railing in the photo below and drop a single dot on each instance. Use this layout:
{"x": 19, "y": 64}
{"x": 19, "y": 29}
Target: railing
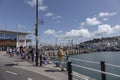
{"x": 102, "y": 71}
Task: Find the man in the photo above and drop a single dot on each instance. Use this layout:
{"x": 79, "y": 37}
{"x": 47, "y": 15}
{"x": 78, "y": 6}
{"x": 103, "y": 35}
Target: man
{"x": 61, "y": 58}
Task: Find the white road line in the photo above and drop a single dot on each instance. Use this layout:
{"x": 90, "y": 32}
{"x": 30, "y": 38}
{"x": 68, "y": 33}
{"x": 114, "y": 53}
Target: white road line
{"x": 29, "y": 79}
{"x": 11, "y": 72}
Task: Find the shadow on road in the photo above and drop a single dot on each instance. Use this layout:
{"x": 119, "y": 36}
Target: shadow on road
{"x": 11, "y": 64}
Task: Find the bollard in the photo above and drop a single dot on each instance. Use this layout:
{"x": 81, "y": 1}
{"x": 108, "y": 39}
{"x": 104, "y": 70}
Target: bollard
{"x": 69, "y": 68}
{"x": 103, "y": 69}
{"x": 67, "y": 58}
{"x": 32, "y": 57}
{"x": 40, "y": 60}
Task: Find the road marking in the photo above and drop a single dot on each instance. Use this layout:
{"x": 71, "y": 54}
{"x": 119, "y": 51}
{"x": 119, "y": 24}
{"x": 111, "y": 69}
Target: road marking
{"x": 11, "y": 72}
{"x": 29, "y": 79}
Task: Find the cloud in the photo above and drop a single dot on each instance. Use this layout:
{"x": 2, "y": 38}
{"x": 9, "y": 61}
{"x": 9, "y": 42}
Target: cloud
{"x": 84, "y": 33}
{"x": 43, "y": 8}
{"x": 49, "y": 14}
{"x": 105, "y": 19}
{"x": 50, "y": 32}
{"x": 33, "y": 2}
{"x": 78, "y": 33}
{"x": 91, "y": 22}
{"x": 107, "y": 14}
{"x": 104, "y": 29}
{"x": 20, "y": 26}
{"x": 57, "y": 17}
{"x": 116, "y": 28}
{"x": 94, "y": 21}
{"x": 107, "y": 29}
{"x": 60, "y": 32}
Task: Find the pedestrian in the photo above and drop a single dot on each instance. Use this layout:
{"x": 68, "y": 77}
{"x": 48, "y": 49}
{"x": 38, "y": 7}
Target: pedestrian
{"x": 7, "y": 50}
{"x": 32, "y": 53}
{"x": 10, "y": 52}
{"x": 17, "y": 50}
{"x": 23, "y": 53}
{"x": 61, "y": 58}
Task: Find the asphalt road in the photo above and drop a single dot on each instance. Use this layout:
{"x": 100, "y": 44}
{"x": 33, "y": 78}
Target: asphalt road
{"x": 8, "y": 72}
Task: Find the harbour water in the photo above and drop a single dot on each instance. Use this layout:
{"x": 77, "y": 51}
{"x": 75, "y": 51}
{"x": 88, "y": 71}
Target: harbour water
{"x": 108, "y": 57}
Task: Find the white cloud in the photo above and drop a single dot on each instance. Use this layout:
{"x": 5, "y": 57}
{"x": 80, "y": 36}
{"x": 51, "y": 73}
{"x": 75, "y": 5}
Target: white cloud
{"x": 50, "y": 32}
{"x": 60, "y": 31}
{"x": 107, "y": 29}
{"x": 57, "y": 17}
{"x": 105, "y": 19}
{"x": 33, "y": 2}
{"x": 103, "y": 30}
{"x": 92, "y": 21}
{"x": 82, "y": 24}
{"x": 78, "y": 33}
{"x": 43, "y": 8}
{"x": 20, "y": 26}
{"x": 116, "y": 28}
{"x": 49, "y": 14}
{"x": 107, "y": 14}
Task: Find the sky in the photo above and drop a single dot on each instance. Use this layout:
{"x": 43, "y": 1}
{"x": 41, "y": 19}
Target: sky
{"x": 63, "y": 20}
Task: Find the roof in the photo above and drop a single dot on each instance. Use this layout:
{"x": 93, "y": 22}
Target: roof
{"x": 15, "y": 32}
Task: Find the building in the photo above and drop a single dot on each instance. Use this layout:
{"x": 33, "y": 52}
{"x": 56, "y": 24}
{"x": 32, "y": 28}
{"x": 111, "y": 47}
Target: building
{"x": 12, "y": 39}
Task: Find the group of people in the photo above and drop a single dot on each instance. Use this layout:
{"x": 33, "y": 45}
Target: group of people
{"x": 61, "y": 56}
{"x": 24, "y": 52}
{"x": 12, "y": 51}
{"x": 17, "y": 51}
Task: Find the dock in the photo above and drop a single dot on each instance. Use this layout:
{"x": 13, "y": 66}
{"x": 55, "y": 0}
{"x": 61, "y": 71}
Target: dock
{"x": 69, "y": 52}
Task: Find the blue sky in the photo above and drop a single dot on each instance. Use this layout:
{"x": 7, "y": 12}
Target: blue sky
{"x": 64, "y": 20}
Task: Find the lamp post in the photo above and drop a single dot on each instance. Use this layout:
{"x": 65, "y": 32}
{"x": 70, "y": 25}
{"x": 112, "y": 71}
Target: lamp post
{"x": 36, "y": 33}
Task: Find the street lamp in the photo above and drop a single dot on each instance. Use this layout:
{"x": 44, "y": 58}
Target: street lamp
{"x": 36, "y": 36}
{"x": 36, "y": 33}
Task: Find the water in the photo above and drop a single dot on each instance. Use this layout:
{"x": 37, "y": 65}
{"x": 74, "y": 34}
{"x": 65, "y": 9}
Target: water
{"x": 108, "y": 57}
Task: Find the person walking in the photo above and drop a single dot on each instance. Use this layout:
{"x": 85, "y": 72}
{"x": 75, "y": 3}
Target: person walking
{"x": 23, "y": 53}
{"x": 61, "y": 58}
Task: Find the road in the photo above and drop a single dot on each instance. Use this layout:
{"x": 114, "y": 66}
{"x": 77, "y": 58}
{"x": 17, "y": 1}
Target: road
{"x": 8, "y": 72}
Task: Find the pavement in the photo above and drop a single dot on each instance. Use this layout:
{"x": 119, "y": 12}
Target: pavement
{"x": 46, "y": 70}
{"x": 49, "y": 70}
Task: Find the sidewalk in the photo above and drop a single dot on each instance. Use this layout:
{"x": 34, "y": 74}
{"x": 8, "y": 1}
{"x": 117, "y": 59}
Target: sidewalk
{"x": 46, "y": 70}
{"x": 49, "y": 70}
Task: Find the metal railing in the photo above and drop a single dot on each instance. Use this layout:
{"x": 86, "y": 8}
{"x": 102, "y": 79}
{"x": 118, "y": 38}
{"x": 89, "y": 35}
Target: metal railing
{"x": 102, "y": 71}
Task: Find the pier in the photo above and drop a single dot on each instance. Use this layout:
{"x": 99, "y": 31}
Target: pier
{"x": 69, "y": 52}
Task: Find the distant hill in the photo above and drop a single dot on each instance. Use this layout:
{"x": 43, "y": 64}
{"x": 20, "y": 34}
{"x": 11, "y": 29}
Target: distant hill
{"x": 106, "y": 43}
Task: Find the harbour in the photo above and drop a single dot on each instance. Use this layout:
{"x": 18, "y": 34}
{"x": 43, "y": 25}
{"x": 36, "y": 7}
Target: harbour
{"x": 60, "y": 40}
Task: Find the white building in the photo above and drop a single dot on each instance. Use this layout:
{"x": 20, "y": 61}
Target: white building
{"x": 12, "y": 39}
